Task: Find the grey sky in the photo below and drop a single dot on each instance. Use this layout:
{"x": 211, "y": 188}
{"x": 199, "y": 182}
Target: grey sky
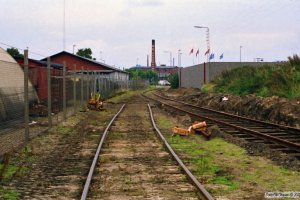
{"x": 123, "y": 29}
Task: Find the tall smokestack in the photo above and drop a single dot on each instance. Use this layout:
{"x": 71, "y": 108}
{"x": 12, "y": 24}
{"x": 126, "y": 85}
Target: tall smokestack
{"x": 153, "y": 64}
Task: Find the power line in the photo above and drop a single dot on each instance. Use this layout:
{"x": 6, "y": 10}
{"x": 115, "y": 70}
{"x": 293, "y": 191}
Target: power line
{"x": 20, "y": 49}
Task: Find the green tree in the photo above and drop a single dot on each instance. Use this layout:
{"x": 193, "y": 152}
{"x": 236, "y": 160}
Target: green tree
{"x": 14, "y": 52}
{"x": 174, "y": 81}
{"x": 138, "y": 74}
{"x": 86, "y": 53}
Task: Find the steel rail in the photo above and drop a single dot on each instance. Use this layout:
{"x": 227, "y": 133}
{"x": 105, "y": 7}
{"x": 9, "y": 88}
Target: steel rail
{"x": 258, "y": 134}
{"x": 93, "y": 166}
{"x": 203, "y": 192}
{"x": 232, "y": 115}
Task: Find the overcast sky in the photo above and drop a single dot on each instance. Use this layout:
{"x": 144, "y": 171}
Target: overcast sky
{"x": 123, "y": 29}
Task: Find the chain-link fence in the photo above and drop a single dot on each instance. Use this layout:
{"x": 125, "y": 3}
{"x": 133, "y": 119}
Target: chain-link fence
{"x": 47, "y": 95}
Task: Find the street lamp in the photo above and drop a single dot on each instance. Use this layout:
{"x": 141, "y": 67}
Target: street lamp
{"x": 207, "y": 39}
{"x": 170, "y": 56}
{"x": 241, "y": 53}
{"x": 179, "y": 57}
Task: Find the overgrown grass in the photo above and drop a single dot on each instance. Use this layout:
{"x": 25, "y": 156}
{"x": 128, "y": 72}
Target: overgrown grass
{"x": 280, "y": 80}
{"x": 8, "y": 194}
{"x": 9, "y": 170}
{"x": 224, "y": 167}
{"x": 125, "y": 95}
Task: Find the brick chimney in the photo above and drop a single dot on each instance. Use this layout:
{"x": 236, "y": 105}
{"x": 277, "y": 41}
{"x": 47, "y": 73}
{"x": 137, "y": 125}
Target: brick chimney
{"x": 153, "y": 64}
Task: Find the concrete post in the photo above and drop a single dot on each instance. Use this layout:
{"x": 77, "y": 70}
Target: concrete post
{"x": 26, "y": 99}
{"x": 74, "y": 88}
{"x": 95, "y": 82}
{"x": 87, "y": 85}
{"x": 64, "y": 92}
{"x": 49, "y": 93}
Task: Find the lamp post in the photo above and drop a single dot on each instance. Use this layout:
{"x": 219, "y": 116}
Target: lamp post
{"x": 207, "y": 39}
{"x": 241, "y": 53}
{"x": 179, "y": 57}
{"x": 170, "y": 56}
{"x": 74, "y": 45}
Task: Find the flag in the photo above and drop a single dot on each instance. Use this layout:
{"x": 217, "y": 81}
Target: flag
{"x": 191, "y": 51}
{"x": 197, "y": 52}
{"x": 221, "y": 56}
{"x": 207, "y": 52}
{"x": 212, "y": 56}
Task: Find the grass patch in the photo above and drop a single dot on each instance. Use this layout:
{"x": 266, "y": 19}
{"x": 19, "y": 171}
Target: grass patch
{"x": 126, "y": 95}
{"x": 8, "y": 194}
{"x": 64, "y": 130}
{"x": 224, "y": 167}
{"x": 165, "y": 122}
{"x": 269, "y": 80}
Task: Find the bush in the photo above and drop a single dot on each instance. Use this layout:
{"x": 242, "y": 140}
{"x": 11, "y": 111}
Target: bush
{"x": 279, "y": 80}
{"x": 174, "y": 81}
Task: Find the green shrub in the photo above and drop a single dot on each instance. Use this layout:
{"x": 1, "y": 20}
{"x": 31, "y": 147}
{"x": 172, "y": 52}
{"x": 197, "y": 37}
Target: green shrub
{"x": 280, "y": 80}
{"x": 174, "y": 81}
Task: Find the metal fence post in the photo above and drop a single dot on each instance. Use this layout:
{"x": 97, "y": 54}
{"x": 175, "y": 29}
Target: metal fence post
{"x": 74, "y": 88}
{"x": 26, "y": 99}
{"x": 49, "y": 93}
{"x": 64, "y": 92}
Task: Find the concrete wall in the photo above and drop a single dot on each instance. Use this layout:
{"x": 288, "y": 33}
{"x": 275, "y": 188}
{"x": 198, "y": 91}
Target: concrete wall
{"x": 193, "y": 76}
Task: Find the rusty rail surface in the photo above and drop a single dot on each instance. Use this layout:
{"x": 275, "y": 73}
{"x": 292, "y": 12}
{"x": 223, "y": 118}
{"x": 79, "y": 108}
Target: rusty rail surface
{"x": 93, "y": 166}
{"x": 291, "y": 145}
{"x": 203, "y": 192}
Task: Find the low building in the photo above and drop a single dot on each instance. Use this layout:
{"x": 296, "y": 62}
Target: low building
{"x": 88, "y": 65}
{"x": 38, "y": 75}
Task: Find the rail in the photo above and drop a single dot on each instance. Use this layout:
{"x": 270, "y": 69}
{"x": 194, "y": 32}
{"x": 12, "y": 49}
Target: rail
{"x": 258, "y": 134}
{"x": 92, "y": 168}
{"x": 203, "y": 192}
{"x": 232, "y": 115}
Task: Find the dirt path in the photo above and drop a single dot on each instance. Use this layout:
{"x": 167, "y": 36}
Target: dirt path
{"x": 134, "y": 164}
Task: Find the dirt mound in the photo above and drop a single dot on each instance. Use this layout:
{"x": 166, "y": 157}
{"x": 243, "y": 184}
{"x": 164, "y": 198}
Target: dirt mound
{"x": 182, "y": 91}
{"x": 274, "y": 109}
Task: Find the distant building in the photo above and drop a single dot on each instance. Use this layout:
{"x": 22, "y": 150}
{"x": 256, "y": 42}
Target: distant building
{"x": 88, "y": 65}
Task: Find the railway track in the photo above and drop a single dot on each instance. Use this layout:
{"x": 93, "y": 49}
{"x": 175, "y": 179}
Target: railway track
{"x": 276, "y": 137}
{"x": 133, "y": 162}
